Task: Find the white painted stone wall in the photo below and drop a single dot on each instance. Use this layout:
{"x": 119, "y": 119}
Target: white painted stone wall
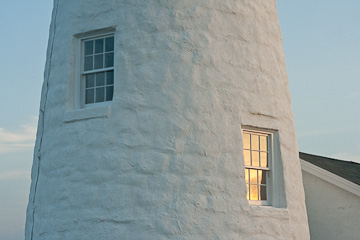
{"x": 333, "y": 212}
{"x": 165, "y": 160}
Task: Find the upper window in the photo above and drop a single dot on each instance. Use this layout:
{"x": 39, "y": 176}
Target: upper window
{"x": 97, "y": 71}
{"x": 258, "y": 161}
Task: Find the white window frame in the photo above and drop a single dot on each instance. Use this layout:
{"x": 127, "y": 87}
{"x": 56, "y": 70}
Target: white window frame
{"x": 82, "y": 74}
{"x": 269, "y": 168}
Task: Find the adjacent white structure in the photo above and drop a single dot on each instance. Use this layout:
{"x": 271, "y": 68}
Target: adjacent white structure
{"x": 332, "y": 189}
{"x": 166, "y": 120}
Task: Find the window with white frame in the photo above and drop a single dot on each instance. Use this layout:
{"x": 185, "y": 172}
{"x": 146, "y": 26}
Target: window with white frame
{"x": 258, "y": 166}
{"x": 97, "y": 71}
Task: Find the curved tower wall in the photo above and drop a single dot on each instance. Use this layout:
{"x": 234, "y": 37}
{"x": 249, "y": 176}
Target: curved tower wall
{"x": 164, "y": 160}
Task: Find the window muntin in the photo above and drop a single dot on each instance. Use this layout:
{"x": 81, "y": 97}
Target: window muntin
{"x": 257, "y": 156}
{"x": 97, "y": 69}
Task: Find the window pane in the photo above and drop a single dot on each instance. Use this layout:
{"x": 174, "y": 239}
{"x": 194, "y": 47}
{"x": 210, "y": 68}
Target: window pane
{"x": 100, "y": 79}
{"x": 262, "y": 176}
{"x": 90, "y": 81}
{"x": 253, "y": 176}
{"x": 109, "y": 59}
{"x": 255, "y": 159}
{"x": 109, "y": 77}
{"x": 263, "y": 194}
{"x": 247, "y": 157}
{"x": 109, "y": 93}
{"x": 99, "y": 59}
{"x": 263, "y": 143}
{"x": 263, "y": 159}
{"x": 109, "y": 44}
{"x": 89, "y": 47}
{"x": 247, "y": 191}
{"x": 99, "y": 45}
{"x": 254, "y": 142}
{"x": 100, "y": 94}
{"x": 246, "y": 139}
{"x": 247, "y": 179}
{"x": 89, "y": 96}
{"x": 88, "y": 63}
{"x": 254, "y": 192}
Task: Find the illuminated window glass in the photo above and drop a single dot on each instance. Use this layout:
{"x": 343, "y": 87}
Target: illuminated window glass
{"x": 257, "y": 165}
{"x": 97, "y": 69}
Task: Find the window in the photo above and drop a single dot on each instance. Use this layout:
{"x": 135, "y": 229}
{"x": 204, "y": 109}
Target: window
{"x": 97, "y": 73}
{"x": 258, "y": 163}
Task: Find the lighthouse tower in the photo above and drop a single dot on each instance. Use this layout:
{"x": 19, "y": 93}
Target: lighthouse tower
{"x": 166, "y": 120}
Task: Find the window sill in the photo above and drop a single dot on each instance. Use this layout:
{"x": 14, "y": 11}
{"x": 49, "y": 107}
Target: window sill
{"x": 263, "y": 211}
{"x": 87, "y": 113}
{"x": 259, "y": 203}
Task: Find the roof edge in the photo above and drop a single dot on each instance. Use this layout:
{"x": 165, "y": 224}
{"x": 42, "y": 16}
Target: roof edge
{"x": 330, "y": 177}
{"x": 329, "y": 158}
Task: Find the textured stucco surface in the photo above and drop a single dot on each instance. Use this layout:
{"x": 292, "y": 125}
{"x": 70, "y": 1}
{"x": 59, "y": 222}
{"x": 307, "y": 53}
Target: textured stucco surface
{"x": 165, "y": 160}
{"x": 333, "y": 212}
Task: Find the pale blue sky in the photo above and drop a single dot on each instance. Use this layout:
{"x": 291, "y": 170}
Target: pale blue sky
{"x": 322, "y": 48}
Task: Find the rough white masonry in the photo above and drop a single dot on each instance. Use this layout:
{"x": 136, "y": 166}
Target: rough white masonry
{"x": 165, "y": 160}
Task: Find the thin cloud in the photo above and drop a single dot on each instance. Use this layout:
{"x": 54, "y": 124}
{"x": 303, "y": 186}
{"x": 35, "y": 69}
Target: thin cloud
{"x": 15, "y": 175}
{"x": 351, "y": 155}
{"x": 347, "y": 156}
{"x": 354, "y": 95}
{"x": 24, "y": 138}
{"x": 329, "y": 131}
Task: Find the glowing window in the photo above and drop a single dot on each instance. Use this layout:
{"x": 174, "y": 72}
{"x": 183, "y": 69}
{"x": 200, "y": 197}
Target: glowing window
{"x": 257, "y": 156}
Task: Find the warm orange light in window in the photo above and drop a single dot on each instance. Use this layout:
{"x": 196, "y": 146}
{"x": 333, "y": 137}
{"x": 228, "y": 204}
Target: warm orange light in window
{"x": 255, "y": 159}
{"x": 263, "y": 159}
{"x": 254, "y": 142}
{"x": 256, "y": 164}
{"x": 247, "y": 157}
{"x": 246, "y": 139}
